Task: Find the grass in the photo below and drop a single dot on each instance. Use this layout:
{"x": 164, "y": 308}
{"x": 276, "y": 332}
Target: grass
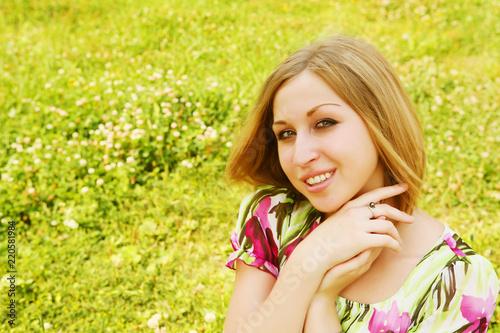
{"x": 117, "y": 118}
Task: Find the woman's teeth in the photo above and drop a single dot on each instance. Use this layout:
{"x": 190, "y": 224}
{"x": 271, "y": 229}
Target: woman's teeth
{"x": 318, "y": 179}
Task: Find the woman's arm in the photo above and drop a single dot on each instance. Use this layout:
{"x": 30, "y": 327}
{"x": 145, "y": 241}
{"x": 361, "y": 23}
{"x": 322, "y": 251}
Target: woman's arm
{"x": 322, "y": 313}
{"x": 261, "y": 303}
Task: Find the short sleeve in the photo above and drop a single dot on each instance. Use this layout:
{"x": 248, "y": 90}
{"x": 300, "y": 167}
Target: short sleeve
{"x": 463, "y": 299}
{"x": 255, "y": 240}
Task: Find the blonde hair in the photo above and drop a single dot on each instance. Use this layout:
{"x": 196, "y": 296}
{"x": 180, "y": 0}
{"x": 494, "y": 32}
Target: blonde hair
{"x": 366, "y": 81}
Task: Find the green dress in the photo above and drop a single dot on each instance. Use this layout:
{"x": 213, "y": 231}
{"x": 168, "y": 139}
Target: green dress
{"x": 452, "y": 289}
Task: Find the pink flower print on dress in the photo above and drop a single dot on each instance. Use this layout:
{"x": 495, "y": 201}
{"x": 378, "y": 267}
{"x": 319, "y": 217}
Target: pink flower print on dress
{"x": 390, "y": 321}
{"x": 258, "y": 230}
{"x": 452, "y": 243}
{"x": 289, "y": 249}
{"x": 262, "y": 212}
{"x": 478, "y": 311}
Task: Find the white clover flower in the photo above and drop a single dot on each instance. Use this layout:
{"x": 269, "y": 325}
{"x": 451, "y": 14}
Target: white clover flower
{"x": 210, "y": 317}
{"x": 48, "y": 156}
{"x": 130, "y": 159}
{"x": 81, "y": 102}
{"x": 31, "y": 190}
{"x": 91, "y": 170}
{"x": 71, "y": 224}
{"x": 153, "y": 322}
{"x": 229, "y": 144}
{"x": 85, "y": 189}
{"x": 176, "y": 134}
{"x": 5, "y": 177}
{"x": 117, "y": 260}
{"x": 99, "y": 182}
{"x": 47, "y": 325}
{"x": 83, "y": 162}
{"x": 54, "y": 223}
{"x": 62, "y": 113}
{"x": 37, "y": 161}
{"x": 137, "y": 134}
{"x": 173, "y": 125}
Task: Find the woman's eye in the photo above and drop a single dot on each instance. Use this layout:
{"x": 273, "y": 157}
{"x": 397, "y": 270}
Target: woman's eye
{"x": 325, "y": 123}
{"x": 284, "y": 134}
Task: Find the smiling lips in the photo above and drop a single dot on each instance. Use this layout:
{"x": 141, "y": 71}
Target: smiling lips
{"x": 318, "y": 179}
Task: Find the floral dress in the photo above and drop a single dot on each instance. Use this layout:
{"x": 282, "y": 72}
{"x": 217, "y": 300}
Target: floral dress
{"x": 452, "y": 289}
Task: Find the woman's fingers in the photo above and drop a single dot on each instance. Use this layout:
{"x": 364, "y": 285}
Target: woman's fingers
{"x": 388, "y": 212}
{"x": 379, "y": 194}
{"x": 384, "y": 227}
{"x": 385, "y": 240}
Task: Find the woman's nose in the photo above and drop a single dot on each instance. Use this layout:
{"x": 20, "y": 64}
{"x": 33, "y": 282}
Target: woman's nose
{"x": 306, "y": 150}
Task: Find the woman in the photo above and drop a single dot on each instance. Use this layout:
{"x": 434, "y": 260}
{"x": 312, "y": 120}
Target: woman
{"x": 333, "y": 240}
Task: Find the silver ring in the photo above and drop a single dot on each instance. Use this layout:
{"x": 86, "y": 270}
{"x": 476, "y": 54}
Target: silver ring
{"x": 371, "y": 207}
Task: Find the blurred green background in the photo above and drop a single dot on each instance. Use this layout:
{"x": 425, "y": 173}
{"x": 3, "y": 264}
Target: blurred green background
{"x": 117, "y": 118}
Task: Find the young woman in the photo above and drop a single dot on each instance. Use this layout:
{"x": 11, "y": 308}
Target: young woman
{"x": 332, "y": 240}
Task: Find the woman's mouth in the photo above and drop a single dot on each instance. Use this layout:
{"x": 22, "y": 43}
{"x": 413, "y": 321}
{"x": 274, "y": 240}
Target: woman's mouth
{"x": 319, "y": 178}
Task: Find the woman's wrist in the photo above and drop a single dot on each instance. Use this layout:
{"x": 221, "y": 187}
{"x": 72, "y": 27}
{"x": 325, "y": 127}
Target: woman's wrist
{"x": 322, "y": 316}
{"x": 315, "y": 257}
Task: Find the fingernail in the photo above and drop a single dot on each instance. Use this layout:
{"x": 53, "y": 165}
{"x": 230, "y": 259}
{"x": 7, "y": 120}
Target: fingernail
{"x": 404, "y": 185}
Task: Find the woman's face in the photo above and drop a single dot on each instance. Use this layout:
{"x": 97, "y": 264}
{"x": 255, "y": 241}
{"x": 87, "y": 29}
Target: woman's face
{"x": 324, "y": 146}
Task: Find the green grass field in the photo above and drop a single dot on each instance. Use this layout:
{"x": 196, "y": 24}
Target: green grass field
{"x": 117, "y": 118}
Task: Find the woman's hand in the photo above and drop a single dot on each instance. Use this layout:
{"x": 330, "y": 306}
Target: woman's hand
{"x": 342, "y": 275}
{"x": 353, "y": 230}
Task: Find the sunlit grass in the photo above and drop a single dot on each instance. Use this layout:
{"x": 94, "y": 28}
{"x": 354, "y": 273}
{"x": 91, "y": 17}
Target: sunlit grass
{"x": 117, "y": 118}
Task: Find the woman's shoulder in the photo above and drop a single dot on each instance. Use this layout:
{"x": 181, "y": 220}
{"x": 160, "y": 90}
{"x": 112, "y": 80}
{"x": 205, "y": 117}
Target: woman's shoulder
{"x": 269, "y": 191}
{"x": 455, "y": 259}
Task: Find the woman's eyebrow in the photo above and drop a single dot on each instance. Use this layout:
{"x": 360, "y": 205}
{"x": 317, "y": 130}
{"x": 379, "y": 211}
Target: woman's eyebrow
{"x": 314, "y": 109}
{"x": 309, "y": 113}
